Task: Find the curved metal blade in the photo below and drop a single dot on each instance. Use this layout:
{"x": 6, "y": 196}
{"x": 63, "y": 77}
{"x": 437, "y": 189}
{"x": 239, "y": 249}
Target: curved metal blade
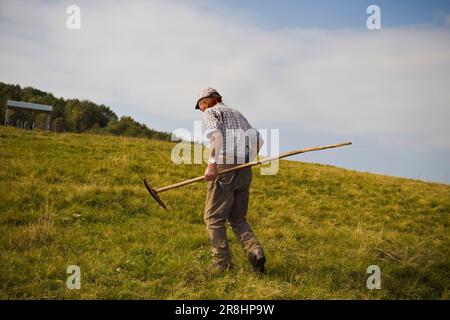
{"x": 153, "y": 193}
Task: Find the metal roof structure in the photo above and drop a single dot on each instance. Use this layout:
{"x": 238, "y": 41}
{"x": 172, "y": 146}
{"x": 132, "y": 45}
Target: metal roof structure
{"x": 28, "y": 106}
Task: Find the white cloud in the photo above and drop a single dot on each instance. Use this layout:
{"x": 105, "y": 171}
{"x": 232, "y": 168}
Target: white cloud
{"x": 153, "y": 57}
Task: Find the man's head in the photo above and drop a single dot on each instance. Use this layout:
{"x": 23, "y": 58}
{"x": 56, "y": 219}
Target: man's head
{"x": 208, "y": 98}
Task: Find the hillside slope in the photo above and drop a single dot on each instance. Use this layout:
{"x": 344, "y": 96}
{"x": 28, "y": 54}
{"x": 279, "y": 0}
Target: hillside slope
{"x": 78, "y": 199}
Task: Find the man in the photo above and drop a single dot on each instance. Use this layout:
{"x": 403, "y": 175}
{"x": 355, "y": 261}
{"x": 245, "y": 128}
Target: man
{"x": 232, "y": 141}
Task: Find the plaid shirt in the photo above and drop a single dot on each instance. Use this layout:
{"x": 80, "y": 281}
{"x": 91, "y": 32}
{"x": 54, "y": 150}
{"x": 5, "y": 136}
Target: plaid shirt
{"x": 239, "y": 137}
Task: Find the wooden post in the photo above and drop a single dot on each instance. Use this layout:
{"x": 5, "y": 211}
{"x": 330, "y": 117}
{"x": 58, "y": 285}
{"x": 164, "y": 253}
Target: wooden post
{"x": 48, "y": 121}
{"x": 6, "y": 115}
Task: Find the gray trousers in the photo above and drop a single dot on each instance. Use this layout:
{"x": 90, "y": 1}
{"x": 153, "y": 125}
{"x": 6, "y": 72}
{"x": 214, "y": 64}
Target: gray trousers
{"x": 227, "y": 200}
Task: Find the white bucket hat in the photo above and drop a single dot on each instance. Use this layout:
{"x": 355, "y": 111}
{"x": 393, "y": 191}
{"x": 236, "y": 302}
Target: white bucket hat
{"x": 205, "y": 93}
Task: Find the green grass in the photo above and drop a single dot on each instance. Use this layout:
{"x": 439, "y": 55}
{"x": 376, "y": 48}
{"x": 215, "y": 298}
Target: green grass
{"x": 78, "y": 199}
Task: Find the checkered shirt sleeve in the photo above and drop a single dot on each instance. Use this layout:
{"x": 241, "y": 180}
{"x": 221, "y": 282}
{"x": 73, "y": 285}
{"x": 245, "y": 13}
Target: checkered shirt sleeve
{"x": 232, "y": 125}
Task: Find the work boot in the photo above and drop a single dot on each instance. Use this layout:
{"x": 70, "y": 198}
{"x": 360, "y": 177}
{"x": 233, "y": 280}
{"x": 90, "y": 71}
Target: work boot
{"x": 257, "y": 260}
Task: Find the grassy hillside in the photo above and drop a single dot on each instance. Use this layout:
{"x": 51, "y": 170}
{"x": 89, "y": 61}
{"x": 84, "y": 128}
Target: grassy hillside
{"x": 78, "y": 199}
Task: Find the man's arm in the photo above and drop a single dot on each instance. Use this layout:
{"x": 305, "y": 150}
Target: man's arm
{"x": 255, "y": 143}
{"x": 212, "y": 122}
{"x": 259, "y": 141}
{"x": 216, "y": 142}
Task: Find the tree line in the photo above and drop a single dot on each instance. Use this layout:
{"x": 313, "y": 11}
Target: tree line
{"x": 73, "y": 115}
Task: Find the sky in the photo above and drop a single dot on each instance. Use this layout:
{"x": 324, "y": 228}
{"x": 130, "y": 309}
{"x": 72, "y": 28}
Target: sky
{"x": 311, "y": 69}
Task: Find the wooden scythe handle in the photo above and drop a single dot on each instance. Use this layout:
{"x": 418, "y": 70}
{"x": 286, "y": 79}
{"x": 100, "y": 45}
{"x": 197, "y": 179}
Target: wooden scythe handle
{"x": 253, "y": 163}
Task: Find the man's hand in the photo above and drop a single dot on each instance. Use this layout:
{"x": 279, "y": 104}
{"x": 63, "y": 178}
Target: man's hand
{"x": 211, "y": 172}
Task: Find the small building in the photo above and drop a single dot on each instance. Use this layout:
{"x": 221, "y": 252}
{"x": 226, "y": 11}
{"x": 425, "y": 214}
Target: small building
{"x": 27, "y": 106}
